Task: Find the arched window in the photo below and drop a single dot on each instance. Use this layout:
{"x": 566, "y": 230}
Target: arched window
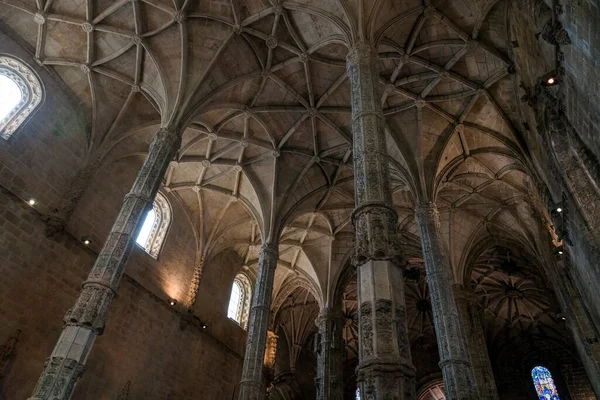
{"x": 21, "y": 94}
{"x": 239, "y": 302}
{"x": 544, "y": 384}
{"x": 154, "y": 228}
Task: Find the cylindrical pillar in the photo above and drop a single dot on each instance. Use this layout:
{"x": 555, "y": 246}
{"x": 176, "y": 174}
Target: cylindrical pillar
{"x": 385, "y": 370}
{"x": 454, "y": 357}
{"x": 252, "y": 386}
{"x": 330, "y": 352}
{"x": 85, "y": 321}
{"x": 483, "y": 374}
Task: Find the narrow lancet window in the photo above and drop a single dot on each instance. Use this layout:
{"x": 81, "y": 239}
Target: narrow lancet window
{"x": 155, "y": 226}
{"x": 239, "y": 302}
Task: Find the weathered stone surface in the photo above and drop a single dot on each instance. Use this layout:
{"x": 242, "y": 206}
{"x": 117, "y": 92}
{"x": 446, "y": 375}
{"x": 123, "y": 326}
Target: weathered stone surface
{"x": 251, "y": 385}
{"x": 454, "y": 357}
{"x": 329, "y": 349}
{"x": 87, "y": 318}
{"x": 385, "y": 369}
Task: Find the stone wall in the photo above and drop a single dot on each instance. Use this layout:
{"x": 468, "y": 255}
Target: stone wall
{"x": 143, "y": 342}
{"x": 43, "y": 155}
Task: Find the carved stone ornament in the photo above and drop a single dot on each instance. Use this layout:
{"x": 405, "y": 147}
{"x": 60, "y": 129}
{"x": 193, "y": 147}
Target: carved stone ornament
{"x": 376, "y": 238}
{"x": 59, "y": 380}
{"x": 31, "y": 94}
{"x": 555, "y": 34}
{"x": 271, "y": 42}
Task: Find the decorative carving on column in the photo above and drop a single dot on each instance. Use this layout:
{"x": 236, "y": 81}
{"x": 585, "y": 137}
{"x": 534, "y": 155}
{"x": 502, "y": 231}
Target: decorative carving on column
{"x": 57, "y": 221}
{"x": 385, "y": 370}
{"x": 251, "y": 385}
{"x": 270, "y": 353}
{"x": 329, "y": 349}
{"x": 454, "y": 357}
{"x": 483, "y": 374}
{"x": 85, "y": 321}
{"x": 195, "y": 285}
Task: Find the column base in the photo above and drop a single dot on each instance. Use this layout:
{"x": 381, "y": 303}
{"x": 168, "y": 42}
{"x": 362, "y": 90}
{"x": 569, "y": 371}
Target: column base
{"x": 382, "y": 380}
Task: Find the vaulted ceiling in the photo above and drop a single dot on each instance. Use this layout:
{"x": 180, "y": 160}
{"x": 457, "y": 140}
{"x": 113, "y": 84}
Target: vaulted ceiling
{"x": 260, "y": 89}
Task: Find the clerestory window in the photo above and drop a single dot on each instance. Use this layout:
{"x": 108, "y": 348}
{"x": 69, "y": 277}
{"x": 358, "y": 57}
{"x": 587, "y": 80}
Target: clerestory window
{"x": 21, "y": 94}
{"x": 239, "y": 301}
{"x": 544, "y": 384}
{"x": 155, "y": 226}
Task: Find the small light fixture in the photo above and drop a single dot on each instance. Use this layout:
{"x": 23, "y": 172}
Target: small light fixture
{"x": 203, "y": 325}
{"x": 86, "y": 241}
{"x": 173, "y": 302}
{"x": 549, "y": 79}
{"x": 558, "y": 209}
{"x": 560, "y": 252}
{"x": 31, "y": 202}
{"x": 561, "y": 316}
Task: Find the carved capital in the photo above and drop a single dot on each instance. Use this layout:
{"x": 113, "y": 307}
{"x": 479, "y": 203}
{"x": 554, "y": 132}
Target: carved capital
{"x": 270, "y": 251}
{"x": 91, "y": 308}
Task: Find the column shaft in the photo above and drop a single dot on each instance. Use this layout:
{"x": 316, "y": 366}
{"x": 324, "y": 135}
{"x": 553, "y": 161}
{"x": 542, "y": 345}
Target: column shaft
{"x": 385, "y": 369}
{"x": 252, "y": 386}
{"x": 483, "y": 374}
{"x": 85, "y": 321}
{"x": 454, "y": 357}
{"x": 330, "y": 363}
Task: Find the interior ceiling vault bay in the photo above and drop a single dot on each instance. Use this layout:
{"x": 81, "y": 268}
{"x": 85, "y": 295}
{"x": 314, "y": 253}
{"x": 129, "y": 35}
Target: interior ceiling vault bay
{"x": 262, "y": 92}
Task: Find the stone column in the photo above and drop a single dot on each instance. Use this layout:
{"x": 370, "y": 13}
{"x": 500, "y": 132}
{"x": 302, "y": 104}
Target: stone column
{"x": 330, "y": 352}
{"x": 454, "y": 356}
{"x": 85, "y": 321}
{"x": 483, "y": 374}
{"x": 252, "y": 386}
{"x": 385, "y": 370}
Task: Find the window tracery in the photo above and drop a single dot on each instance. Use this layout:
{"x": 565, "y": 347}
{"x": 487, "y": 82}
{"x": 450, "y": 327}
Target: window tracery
{"x": 239, "y": 302}
{"x": 21, "y": 94}
{"x": 544, "y": 384}
{"x": 154, "y": 228}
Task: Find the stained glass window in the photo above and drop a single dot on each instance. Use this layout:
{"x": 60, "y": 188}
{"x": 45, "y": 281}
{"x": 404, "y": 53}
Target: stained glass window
{"x": 357, "y": 393}
{"x": 544, "y": 384}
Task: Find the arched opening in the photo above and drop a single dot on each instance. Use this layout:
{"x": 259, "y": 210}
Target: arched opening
{"x": 239, "y": 302}
{"x": 12, "y": 95}
{"x": 154, "y": 229}
{"x": 21, "y": 94}
{"x": 544, "y": 384}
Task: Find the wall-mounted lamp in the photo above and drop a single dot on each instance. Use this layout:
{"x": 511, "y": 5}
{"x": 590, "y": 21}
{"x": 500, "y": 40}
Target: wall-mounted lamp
{"x": 172, "y": 302}
{"x": 550, "y": 79}
{"x": 561, "y": 316}
{"x": 86, "y": 240}
{"x": 203, "y": 325}
{"x": 31, "y": 202}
